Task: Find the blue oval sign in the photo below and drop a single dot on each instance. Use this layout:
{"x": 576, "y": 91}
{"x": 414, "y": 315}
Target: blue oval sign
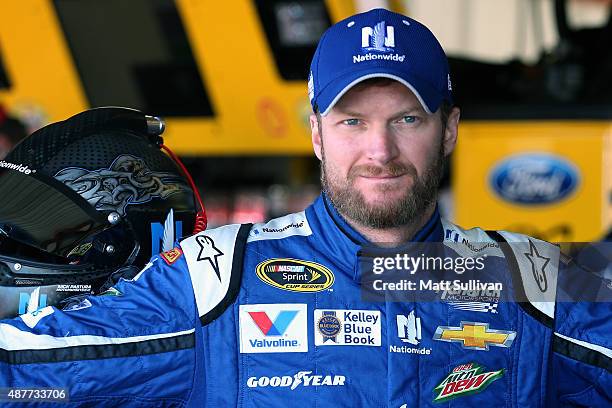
{"x": 534, "y": 179}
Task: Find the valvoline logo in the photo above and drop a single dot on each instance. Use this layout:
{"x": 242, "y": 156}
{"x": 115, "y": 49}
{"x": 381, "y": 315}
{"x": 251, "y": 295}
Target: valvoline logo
{"x": 273, "y": 328}
{"x": 534, "y": 179}
{"x": 276, "y": 328}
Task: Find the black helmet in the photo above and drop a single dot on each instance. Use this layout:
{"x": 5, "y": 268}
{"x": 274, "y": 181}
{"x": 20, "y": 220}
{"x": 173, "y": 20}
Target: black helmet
{"x": 83, "y": 198}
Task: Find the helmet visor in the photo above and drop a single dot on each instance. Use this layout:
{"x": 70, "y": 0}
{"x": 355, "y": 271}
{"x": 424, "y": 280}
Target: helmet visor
{"x": 41, "y": 212}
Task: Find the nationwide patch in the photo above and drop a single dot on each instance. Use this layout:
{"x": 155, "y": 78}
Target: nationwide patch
{"x": 465, "y": 379}
{"x": 295, "y": 275}
{"x": 410, "y": 334}
{"x": 172, "y": 255}
{"x": 347, "y": 327}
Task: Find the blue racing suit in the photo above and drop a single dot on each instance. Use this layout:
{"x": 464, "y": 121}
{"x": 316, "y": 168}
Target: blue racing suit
{"x": 272, "y": 315}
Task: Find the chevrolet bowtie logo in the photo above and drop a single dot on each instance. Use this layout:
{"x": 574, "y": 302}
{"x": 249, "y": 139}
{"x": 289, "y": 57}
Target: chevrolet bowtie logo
{"x": 476, "y": 336}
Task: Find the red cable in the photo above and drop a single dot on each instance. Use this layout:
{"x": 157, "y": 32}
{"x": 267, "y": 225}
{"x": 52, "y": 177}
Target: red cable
{"x": 201, "y": 220}
{"x": 3, "y": 114}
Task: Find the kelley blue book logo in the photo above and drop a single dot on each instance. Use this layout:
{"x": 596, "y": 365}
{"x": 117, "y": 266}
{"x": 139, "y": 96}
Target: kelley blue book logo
{"x": 533, "y": 179}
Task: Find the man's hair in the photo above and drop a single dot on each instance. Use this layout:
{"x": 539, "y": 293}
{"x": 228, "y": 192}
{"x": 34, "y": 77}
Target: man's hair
{"x": 445, "y": 108}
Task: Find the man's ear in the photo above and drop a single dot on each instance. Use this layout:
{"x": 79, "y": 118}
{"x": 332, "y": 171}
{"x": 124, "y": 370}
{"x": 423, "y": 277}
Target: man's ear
{"x": 315, "y": 135}
{"x": 451, "y": 132}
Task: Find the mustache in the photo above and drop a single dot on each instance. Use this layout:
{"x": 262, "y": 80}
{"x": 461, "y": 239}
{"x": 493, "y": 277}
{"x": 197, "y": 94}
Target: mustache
{"x": 392, "y": 169}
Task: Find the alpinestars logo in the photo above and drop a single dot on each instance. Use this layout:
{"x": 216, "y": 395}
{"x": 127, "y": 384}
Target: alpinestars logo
{"x": 209, "y": 252}
{"x": 465, "y": 379}
{"x": 302, "y": 378}
{"x": 538, "y": 266}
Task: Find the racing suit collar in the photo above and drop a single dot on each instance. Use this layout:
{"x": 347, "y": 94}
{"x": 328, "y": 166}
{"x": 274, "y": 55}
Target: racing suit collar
{"x": 337, "y": 238}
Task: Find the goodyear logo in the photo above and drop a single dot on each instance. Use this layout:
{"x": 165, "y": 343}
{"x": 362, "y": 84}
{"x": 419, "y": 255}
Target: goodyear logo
{"x": 295, "y": 275}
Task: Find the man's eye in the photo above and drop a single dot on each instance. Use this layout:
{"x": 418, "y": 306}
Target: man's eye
{"x": 409, "y": 119}
{"x": 351, "y": 122}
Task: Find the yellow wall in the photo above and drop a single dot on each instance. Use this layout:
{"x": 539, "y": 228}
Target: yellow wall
{"x": 582, "y": 215}
{"x": 256, "y": 111}
{"x": 36, "y": 57}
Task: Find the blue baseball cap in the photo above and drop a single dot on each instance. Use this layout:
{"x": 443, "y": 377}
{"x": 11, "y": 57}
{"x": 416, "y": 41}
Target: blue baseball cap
{"x": 374, "y": 44}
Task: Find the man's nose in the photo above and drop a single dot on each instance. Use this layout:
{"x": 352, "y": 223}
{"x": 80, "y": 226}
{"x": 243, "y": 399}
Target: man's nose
{"x": 381, "y": 145}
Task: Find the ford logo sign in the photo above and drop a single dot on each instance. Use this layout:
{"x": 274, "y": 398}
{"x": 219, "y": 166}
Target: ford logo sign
{"x": 533, "y": 179}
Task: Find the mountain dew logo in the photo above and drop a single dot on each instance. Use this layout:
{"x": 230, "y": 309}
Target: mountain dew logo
{"x": 465, "y": 379}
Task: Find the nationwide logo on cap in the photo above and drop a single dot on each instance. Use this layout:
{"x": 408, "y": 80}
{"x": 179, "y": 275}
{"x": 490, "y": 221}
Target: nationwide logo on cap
{"x": 379, "y": 39}
{"x": 465, "y": 379}
{"x": 475, "y": 336}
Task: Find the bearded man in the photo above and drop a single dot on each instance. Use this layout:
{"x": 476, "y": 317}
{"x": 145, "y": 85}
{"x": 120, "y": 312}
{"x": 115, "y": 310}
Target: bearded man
{"x": 273, "y": 315}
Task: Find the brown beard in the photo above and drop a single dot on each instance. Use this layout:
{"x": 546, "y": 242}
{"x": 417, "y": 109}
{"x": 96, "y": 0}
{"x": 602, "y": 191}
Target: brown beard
{"x": 351, "y": 203}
